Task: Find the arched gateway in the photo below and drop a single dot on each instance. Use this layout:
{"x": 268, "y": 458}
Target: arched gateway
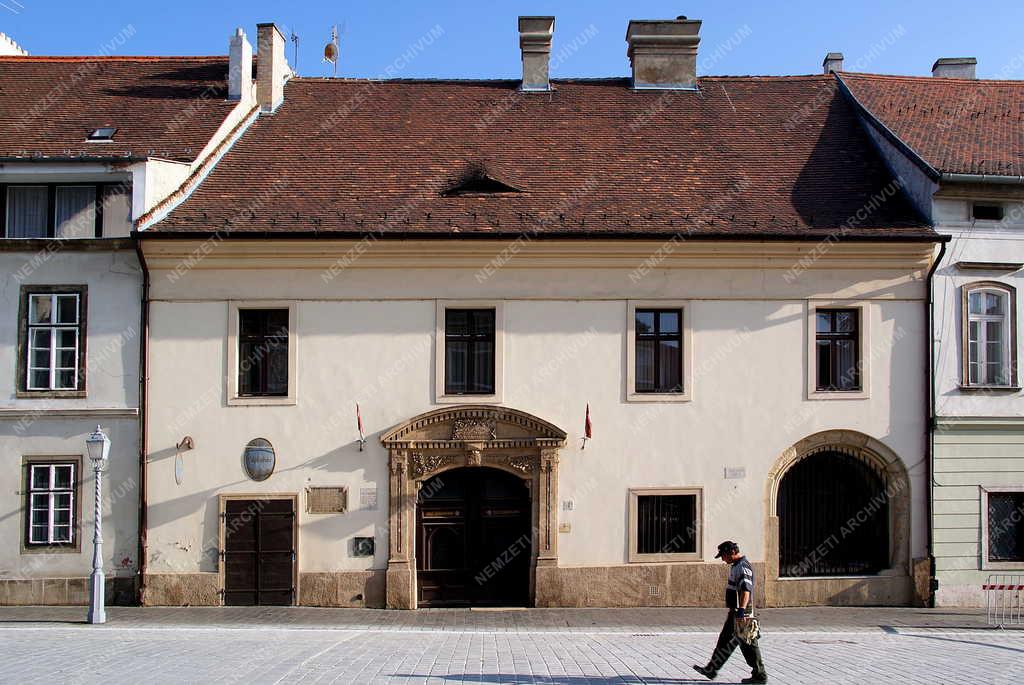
{"x": 435, "y": 523}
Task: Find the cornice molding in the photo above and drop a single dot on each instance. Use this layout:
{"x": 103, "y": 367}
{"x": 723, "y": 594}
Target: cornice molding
{"x": 523, "y": 254}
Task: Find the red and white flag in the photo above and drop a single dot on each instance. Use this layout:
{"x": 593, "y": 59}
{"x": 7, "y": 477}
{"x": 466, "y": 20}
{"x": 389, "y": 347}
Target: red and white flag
{"x": 588, "y": 429}
{"x": 359, "y": 425}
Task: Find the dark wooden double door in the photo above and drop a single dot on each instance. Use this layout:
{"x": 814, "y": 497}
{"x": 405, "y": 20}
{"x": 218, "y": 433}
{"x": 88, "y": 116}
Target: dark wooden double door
{"x": 473, "y": 539}
{"x": 259, "y": 552}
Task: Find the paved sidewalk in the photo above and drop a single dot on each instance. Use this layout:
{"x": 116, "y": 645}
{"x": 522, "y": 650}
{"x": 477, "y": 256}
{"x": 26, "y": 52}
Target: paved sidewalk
{"x": 444, "y": 647}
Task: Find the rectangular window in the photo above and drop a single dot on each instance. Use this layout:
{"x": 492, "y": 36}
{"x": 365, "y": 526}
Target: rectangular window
{"x": 27, "y": 211}
{"x": 263, "y": 352}
{"x": 983, "y": 212}
{"x": 51, "y": 504}
{"x": 665, "y": 524}
{"x": 837, "y": 343}
{"x": 469, "y": 351}
{"x": 55, "y": 210}
{"x": 1006, "y": 526}
{"x": 75, "y": 212}
{"x": 988, "y": 347}
{"x": 659, "y": 345}
{"x": 53, "y": 333}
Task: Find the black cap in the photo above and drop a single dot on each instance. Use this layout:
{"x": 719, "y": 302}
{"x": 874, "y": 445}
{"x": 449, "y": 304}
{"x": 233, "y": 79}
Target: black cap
{"x": 727, "y": 546}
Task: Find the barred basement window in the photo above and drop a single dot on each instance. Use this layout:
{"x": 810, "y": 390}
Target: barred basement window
{"x": 262, "y": 352}
{"x": 51, "y": 504}
{"x": 1006, "y": 526}
{"x": 665, "y": 524}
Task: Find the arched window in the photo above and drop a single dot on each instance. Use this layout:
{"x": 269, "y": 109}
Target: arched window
{"x": 989, "y": 335}
{"x": 833, "y": 510}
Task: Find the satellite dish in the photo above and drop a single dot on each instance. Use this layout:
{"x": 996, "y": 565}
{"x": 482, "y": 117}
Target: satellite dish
{"x": 331, "y": 52}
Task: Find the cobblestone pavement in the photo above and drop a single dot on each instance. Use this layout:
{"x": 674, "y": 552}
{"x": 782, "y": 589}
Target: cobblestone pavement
{"x": 40, "y": 645}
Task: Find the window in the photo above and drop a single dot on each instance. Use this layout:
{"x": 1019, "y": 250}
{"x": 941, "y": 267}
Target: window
{"x": 658, "y": 351}
{"x": 51, "y": 519}
{"x": 262, "y": 352}
{"x": 1006, "y": 527}
{"x": 659, "y": 341}
{"x": 101, "y": 134}
{"x": 27, "y": 211}
{"x": 469, "y": 351}
{"x": 52, "y": 340}
{"x": 987, "y": 212}
{"x": 68, "y": 210}
{"x": 665, "y": 524}
{"x": 837, "y": 343}
{"x": 988, "y": 335}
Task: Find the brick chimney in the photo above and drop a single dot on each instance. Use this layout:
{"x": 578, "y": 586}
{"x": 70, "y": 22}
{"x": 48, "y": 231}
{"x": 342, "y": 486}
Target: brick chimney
{"x": 955, "y": 67}
{"x": 239, "y": 67}
{"x": 663, "y": 53}
{"x": 833, "y": 62}
{"x": 271, "y": 67}
{"x": 535, "y": 42}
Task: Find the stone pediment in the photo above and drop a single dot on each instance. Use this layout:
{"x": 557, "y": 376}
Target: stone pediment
{"x": 479, "y": 424}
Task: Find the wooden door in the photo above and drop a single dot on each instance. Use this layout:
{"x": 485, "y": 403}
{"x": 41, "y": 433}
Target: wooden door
{"x": 259, "y": 552}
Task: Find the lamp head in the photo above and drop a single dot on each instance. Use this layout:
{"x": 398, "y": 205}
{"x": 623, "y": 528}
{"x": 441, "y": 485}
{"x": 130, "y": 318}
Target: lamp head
{"x": 98, "y": 445}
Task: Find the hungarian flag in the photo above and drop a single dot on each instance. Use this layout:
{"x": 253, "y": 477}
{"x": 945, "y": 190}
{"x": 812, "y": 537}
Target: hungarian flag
{"x": 359, "y": 424}
{"x": 588, "y": 430}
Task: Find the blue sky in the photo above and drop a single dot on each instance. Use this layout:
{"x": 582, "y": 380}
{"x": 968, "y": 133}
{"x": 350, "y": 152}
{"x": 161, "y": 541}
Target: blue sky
{"x": 469, "y": 39}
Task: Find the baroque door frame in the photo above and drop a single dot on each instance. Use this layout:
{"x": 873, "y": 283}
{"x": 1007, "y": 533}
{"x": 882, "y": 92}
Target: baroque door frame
{"x": 468, "y": 436}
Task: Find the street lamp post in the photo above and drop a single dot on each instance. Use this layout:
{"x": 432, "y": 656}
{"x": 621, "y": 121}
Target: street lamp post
{"x": 98, "y": 445}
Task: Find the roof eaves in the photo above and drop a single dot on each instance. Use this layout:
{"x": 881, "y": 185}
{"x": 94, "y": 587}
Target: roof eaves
{"x": 888, "y": 133}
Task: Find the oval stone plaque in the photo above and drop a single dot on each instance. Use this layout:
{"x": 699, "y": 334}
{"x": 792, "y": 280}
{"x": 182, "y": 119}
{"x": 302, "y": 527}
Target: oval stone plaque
{"x": 259, "y": 459}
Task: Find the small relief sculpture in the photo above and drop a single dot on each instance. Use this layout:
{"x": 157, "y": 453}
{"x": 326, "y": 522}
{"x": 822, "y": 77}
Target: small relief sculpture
{"x": 422, "y": 464}
{"x": 474, "y": 429}
{"x": 474, "y": 458}
{"x": 524, "y": 464}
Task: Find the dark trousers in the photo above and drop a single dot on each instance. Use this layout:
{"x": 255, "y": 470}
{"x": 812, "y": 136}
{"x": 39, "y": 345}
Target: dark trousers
{"x": 727, "y": 642}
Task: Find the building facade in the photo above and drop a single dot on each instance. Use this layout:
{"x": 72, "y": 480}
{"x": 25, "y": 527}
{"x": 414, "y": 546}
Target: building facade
{"x": 380, "y": 325}
{"x": 964, "y": 157}
{"x": 75, "y": 172}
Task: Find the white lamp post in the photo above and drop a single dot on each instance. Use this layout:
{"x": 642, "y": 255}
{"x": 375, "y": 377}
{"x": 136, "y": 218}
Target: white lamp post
{"x": 98, "y": 445}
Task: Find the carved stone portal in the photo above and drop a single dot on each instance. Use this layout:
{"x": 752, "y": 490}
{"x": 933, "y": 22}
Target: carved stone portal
{"x": 470, "y": 435}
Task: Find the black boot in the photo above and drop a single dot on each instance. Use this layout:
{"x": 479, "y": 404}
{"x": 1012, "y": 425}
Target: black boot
{"x": 706, "y": 671}
{"x": 756, "y": 678}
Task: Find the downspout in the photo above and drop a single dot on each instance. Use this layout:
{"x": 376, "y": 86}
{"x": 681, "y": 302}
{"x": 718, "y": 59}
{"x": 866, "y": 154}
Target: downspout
{"x": 144, "y": 424}
{"x": 930, "y": 424}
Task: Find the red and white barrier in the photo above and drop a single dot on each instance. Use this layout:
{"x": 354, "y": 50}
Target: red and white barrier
{"x": 1004, "y": 599}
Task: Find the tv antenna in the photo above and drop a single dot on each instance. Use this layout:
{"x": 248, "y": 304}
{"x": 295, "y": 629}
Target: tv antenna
{"x": 294, "y": 38}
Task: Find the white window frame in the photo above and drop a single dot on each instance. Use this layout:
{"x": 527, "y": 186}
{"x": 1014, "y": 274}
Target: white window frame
{"x": 987, "y": 565}
{"x": 686, "y": 353}
{"x": 53, "y": 328}
{"x": 439, "y": 351}
{"x": 633, "y": 556}
{"x": 52, "y": 493}
{"x": 1009, "y": 321}
{"x": 864, "y": 314}
{"x": 231, "y": 375}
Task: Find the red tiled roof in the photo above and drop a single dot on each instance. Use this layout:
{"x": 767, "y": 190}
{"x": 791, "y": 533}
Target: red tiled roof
{"x": 165, "y": 107}
{"x": 745, "y": 156}
{"x": 961, "y": 126}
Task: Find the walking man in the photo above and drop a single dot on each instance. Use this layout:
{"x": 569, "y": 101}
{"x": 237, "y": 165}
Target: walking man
{"x": 739, "y": 597}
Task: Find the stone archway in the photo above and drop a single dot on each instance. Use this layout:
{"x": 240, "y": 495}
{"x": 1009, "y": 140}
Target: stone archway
{"x": 461, "y": 436}
{"x": 892, "y": 586}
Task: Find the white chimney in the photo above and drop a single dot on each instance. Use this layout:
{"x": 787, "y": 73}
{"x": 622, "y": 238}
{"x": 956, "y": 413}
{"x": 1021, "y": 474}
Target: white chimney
{"x": 833, "y": 62}
{"x": 239, "y": 67}
{"x": 535, "y": 42}
{"x": 663, "y": 53}
{"x": 271, "y": 67}
{"x": 9, "y": 47}
{"x": 955, "y": 67}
